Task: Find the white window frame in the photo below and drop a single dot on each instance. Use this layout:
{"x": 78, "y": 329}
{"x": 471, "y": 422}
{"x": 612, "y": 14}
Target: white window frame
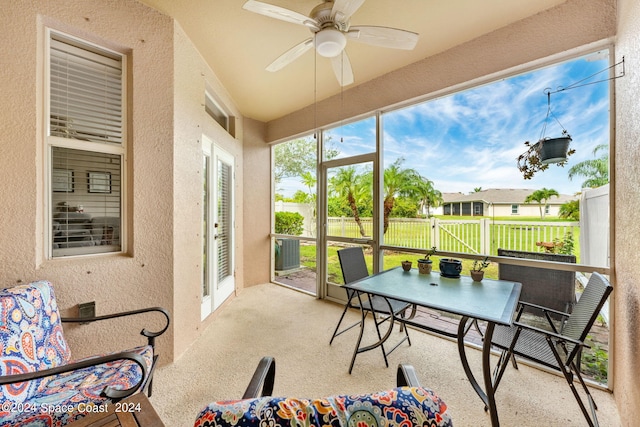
{"x": 515, "y": 209}
{"x": 75, "y": 144}
{"x": 218, "y": 111}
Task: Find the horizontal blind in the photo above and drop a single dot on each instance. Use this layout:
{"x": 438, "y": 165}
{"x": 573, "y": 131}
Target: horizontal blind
{"x": 224, "y": 221}
{"x": 85, "y": 94}
{"x": 86, "y": 207}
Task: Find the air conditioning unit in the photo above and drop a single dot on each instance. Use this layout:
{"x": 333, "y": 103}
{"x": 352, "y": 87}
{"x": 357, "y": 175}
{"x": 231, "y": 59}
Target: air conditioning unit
{"x": 287, "y": 254}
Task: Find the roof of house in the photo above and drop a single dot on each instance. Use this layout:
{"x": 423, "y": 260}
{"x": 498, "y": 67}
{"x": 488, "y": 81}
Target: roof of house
{"x": 502, "y": 196}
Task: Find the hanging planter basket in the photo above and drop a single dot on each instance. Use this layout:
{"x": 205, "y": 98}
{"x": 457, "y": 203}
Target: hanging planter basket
{"x": 545, "y": 152}
{"x": 553, "y": 150}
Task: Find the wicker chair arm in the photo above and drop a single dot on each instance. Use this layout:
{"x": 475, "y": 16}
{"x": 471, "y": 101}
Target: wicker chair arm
{"x": 107, "y": 392}
{"x": 149, "y": 334}
{"x": 407, "y": 377}
{"x": 543, "y": 308}
{"x": 555, "y": 335}
{"x": 262, "y": 380}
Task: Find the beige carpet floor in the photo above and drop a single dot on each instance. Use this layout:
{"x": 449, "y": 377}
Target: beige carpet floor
{"x": 295, "y": 328}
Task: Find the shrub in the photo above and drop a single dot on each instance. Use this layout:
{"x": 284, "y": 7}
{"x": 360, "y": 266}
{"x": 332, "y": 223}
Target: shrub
{"x": 289, "y": 223}
{"x": 565, "y": 245}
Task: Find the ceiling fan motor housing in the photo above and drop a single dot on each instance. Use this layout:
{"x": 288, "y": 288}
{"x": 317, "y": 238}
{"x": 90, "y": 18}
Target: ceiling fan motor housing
{"x": 329, "y": 40}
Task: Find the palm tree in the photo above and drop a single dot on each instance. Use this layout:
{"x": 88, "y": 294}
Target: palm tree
{"x": 541, "y": 197}
{"x": 595, "y": 170}
{"x": 347, "y": 183}
{"x": 428, "y": 195}
{"x": 398, "y": 182}
{"x": 309, "y": 180}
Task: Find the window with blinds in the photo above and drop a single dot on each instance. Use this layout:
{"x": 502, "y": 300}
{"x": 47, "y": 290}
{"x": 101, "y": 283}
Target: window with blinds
{"x": 86, "y": 147}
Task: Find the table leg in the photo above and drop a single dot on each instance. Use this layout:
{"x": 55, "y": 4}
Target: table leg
{"x": 355, "y": 351}
{"x": 488, "y": 394}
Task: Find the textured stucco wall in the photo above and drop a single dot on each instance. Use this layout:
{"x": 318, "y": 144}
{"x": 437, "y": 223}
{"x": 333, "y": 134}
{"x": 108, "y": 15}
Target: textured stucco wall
{"x": 626, "y": 295}
{"x": 257, "y": 204}
{"x": 192, "y": 77}
{"x": 144, "y": 276}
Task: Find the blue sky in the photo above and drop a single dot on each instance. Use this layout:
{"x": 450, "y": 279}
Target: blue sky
{"x": 472, "y": 138}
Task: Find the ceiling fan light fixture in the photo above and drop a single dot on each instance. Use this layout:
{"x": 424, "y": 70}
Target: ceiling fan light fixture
{"x": 330, "y": 42}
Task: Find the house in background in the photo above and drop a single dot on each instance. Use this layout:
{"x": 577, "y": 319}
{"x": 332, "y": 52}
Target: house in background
{"x": 500, "y": 202}
{"x": 168, "y": 131}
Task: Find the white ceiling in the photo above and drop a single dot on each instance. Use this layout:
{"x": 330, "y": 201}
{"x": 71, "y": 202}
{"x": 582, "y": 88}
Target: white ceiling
{"x": 238, "y": 44}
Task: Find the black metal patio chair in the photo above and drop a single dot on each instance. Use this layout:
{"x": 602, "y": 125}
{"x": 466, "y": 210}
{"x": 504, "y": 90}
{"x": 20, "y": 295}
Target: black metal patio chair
{"x": 354, "y": 267}
{"x": 555, "y": 348}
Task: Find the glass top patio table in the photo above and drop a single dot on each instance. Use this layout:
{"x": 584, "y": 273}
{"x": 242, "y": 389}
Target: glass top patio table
{"x": 489, "y": 300}
{"x": 493, "y": 301}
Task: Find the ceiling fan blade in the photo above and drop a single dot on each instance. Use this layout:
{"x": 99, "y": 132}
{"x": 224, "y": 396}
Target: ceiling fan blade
{"x": 343, "y": 9}
{"x": 280, "y": 13}
{"x": 342, "y": 69}
{"x": 290, "y": 55}
{"x": 383, "y": 36}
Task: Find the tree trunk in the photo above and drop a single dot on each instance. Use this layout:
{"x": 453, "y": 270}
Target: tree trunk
{"x": 388, "y": 206}
{"x": 356, "y": 215}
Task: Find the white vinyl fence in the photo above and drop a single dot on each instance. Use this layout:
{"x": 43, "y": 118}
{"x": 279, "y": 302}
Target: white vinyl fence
{"x": 482, "y": 236}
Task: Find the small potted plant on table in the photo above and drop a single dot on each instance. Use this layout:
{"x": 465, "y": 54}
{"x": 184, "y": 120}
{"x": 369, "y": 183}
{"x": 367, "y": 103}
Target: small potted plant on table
{"x": 477, "y": 271}
{"x": 425, "y": 265}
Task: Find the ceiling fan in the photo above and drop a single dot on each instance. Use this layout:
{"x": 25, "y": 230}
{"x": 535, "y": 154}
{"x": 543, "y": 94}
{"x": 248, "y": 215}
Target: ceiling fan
{"x": 330, "y": 28}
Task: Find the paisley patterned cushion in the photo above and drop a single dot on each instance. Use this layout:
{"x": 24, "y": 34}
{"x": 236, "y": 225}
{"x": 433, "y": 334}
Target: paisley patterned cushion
{"x": 30, "y": 329}
{"x": 401, "y": 407}
{"x": 31, "y": 339}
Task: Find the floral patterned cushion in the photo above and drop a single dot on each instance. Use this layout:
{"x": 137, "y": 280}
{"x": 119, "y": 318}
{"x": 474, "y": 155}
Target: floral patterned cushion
{"x": 31, "y": 339}
{"x": 405, "y": 406}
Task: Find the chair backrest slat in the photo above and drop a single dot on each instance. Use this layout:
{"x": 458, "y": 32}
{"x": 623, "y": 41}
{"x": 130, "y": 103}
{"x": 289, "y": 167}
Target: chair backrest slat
{"x": 588, "y": 307}
{"x": 352, "y": 263}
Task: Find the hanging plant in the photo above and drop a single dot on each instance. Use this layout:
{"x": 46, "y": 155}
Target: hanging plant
{"x": 546, "y": 151}
{"x": 543, "y": 153}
